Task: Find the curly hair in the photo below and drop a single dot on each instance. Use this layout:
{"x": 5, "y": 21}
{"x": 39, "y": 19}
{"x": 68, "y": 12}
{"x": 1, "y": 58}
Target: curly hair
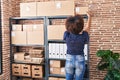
{"x": 74, "y": 24}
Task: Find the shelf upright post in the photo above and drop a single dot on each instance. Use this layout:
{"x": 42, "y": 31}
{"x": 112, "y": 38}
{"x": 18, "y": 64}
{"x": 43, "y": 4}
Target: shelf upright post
{"x": 46, "y": 48}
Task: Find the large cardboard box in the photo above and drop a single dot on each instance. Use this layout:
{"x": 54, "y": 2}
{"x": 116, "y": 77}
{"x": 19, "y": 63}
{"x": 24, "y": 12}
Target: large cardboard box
{"x": 28, "y": 9}
{"x": 18, "y": 37}
{"x": 55, "y": 8}
{"x": 35, "y": 37}
{"x": 26, "y": 70}
{"x": 81, "y": 10}
{"x": 16, "y": 27}
{"x": 57, "y": 63}
{"x": 19, "y": 56}
{"x": 16, "y": 69}
{"x": 56, "y": 32}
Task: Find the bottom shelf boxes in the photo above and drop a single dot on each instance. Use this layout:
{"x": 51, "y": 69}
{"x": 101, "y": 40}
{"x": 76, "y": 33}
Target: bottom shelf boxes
{"x": 25, "y": 70}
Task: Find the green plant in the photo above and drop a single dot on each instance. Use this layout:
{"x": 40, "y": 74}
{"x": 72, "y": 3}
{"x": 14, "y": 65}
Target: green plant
{"x": 110, "y": 62}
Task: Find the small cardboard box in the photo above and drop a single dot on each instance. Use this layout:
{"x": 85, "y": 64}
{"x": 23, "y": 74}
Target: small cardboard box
{"x": 56, "y": 31}
{"x": 26, "y": 70}
{"x": 16, "y": 69}
{"x": 37, "y": 60}
{"x": 19, "y": 56}
{"x": 35, "y": 37}
{"x": 18, "y": 37}
{"x": 37, "y": 71}
{"x": 28, "y": 9}
{"x": 16, "y": 27}
{"x": 36, "y": 53}
{"x": 56, "y": 63}
{"x": 55, "y": 70}
{"x": 81, "y": 10}
{"x": 55, "y": 8}
{"x": 53, "y": 78}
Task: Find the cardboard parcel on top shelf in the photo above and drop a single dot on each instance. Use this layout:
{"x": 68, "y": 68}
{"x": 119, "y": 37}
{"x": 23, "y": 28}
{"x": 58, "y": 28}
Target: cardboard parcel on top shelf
{"x": 49, "y": 8}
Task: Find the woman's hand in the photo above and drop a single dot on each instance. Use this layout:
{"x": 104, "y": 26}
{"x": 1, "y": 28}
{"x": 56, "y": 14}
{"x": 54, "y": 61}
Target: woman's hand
{"x": 89, "y": 14}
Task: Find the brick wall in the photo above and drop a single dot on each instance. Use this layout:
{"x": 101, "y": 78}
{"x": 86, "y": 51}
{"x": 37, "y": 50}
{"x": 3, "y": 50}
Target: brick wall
{"x": 104, "y": 33}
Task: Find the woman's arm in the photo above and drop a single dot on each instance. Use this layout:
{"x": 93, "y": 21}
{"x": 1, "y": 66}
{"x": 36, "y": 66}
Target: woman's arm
{"x": 87, "y": 27}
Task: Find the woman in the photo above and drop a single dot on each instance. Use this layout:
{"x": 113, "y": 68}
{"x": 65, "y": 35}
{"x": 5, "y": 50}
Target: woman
{"x": 76, "y": 36}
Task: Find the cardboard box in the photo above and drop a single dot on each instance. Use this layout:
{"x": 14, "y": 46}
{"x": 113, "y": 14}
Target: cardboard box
{"x": 35, "y": 38}
{"x": 37, "y": 71}
{"x": 37, "y": 60}
{"x": 36, "y": 52}
{"x": 27, "y": 27}
{"x": 56, "y": 31}
{"x": 19, "y": 56}
{"x": 54, "y": 70}
{"x": 16, "y": 69}
{"x": 53, "y": 78}
{"x": 28, "y": 9}
{"x": 26, "y": 70}
{"x": 16, "y": 27}
{"x": 18, "y": 37}
{"x": 81, "y": 10}
{"x": 55, "y": 8}
{"x": 57, "y": 63}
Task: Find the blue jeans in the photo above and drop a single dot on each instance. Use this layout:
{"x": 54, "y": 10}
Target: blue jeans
{"x": 75, "y": 67}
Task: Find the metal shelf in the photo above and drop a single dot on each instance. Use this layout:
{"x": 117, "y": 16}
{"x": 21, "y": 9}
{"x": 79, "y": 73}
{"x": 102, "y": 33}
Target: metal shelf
{"x": 28, "y": 45}
{"x": 56, "y": 59}
{"x": 56, "y": 41}
{"x": 63, "y": 17}
{"x": 28, "y": 63}
{"x": 28, "y": 18}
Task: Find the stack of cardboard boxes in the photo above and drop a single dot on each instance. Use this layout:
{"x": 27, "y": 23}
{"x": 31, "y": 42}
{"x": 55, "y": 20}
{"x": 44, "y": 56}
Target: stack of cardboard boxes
{"x": 57, "y": 67}
{"x": 26, "y": 70}
{"x": 28, "y": 34}
{"x": 35, "y": 55}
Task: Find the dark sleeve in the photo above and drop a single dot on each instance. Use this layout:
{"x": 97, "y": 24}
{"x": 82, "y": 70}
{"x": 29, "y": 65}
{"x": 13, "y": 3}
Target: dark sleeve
{"x": 86, "y": 37}
{"x": 66, "y": 33}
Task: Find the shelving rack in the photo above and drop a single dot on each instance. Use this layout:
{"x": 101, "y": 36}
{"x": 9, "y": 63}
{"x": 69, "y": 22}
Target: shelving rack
{"x": 16, "y": 21}
{"x": 47, "y": 21}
